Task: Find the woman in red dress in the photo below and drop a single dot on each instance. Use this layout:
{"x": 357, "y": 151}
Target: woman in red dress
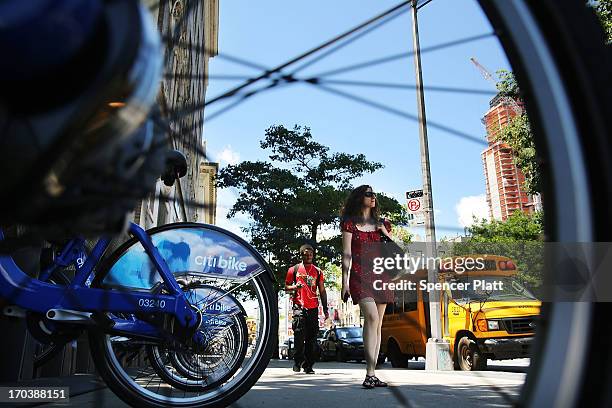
{"x": 361, "y": 227}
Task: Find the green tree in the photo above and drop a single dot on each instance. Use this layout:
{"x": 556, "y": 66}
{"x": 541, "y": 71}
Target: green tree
{"x": 517, "y": 227}
{"x": 401, "y": 234}
{"x": 507, "y": 85}
{"x": 333, "y": 276}
{"x": 297, "y": 195}
{"x": 603, "y": 9}
{"x": 517, "y": 134}
{"x": 520, "y": 237}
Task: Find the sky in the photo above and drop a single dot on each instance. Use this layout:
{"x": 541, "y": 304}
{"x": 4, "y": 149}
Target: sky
{"x": 268, "y": 33}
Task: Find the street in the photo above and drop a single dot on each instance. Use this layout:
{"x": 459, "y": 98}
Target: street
{"x": 339, "y": 385}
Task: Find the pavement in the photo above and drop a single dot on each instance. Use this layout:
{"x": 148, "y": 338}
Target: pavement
{"x": 339, "y": 385}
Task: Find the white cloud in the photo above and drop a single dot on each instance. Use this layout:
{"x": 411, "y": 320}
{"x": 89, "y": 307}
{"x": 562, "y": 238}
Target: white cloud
{"x": 228, "y": 156}
{"x": 226, "y": 198}
{"x": 471, "y": 206}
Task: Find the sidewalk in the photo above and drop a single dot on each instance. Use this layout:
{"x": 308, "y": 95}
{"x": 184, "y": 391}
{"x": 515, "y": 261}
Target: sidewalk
{"x": 338, "y": 385}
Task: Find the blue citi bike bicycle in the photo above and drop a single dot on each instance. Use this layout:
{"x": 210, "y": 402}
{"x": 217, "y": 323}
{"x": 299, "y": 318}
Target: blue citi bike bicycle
{"x": 182, "y": 315}
{"x": 166, "y": 312}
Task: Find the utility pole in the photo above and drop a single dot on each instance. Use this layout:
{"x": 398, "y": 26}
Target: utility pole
{"x": 437, "y": 352}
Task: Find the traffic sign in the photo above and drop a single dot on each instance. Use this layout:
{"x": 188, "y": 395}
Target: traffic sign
{"x": 414, "y": 194}
{"x": 414, "y": 204}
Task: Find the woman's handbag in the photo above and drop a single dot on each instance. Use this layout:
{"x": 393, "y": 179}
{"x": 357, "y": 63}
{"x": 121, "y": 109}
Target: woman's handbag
{"x": 391, "y": 249}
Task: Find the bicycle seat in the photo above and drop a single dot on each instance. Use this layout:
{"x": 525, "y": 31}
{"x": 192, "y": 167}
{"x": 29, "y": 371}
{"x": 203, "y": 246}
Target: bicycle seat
{"x": 74, "y": 105}
{"x": 176, "y": 167}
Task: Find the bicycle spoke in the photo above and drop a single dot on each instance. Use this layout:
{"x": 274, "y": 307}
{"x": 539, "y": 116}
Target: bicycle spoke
{"x": 199, "y": 49}
{"x": 402, "y": 114}
{"x": 431, "y": 88}
{"x": 207, "y": 77}
{"x": 388, "y": 18}
{"x": 394, "y": 57}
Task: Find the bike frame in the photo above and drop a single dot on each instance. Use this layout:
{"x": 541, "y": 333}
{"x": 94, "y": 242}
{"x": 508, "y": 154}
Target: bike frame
{"x": 34, "y": 295}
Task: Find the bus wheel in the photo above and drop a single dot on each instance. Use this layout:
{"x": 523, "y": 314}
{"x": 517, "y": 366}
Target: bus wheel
{"x": 397, "y": 358}
{"x": 468, "y": 356}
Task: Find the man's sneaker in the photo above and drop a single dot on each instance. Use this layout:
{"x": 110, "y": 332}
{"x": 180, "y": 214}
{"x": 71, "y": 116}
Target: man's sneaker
{"x": 296, "y": 368}
{"x": 308, "y": 370}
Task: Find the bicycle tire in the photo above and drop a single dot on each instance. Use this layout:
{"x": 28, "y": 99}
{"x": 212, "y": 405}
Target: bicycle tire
{"x": 558, "y": 54}
{"x": 193, "y": 376}
{"x": 110, "y": 370}
{"x": 127, "y": 393}
{"x": 182, "y": 367}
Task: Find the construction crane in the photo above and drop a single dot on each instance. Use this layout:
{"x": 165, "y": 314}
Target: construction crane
{"x": 487, "y": 75}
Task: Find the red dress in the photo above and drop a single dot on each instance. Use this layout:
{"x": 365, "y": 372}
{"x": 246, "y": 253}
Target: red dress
{"x": 362, "y": 282}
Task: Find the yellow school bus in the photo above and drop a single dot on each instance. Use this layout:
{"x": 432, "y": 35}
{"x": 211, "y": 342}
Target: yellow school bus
{"x": 485, "y": 314}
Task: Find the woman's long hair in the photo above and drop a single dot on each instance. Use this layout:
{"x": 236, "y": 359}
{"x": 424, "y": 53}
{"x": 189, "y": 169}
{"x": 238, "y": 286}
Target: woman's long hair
{"x": 352, "y": 209}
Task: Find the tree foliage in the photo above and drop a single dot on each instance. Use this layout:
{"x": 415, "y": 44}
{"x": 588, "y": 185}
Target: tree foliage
{"x": 520, "y": 237}
{"x": 401, "y": 235}
{"x": 517, "y": 227}
{"x": 297, "y": 194}
{"x": 507, "y": 85}
{"x": 518, "y": 135}
{"x": 603, "y": 9}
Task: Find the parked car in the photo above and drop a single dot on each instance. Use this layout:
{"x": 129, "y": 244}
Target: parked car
{"x": 287, "y": 349}
{"x": 320, "y": 339}
{"x": 344, "y": 344}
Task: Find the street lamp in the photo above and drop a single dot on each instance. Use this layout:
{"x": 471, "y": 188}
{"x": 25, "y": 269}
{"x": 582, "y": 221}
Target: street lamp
{"x": 437, "y": 352}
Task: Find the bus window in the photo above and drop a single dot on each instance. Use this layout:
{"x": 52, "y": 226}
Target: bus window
{"x": 398, "y": 304}
{"x": 410, "y": 300}
{"x": 389, "y": 309}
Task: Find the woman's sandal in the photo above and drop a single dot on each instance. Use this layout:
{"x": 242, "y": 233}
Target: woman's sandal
{"x": 372, "y": 381}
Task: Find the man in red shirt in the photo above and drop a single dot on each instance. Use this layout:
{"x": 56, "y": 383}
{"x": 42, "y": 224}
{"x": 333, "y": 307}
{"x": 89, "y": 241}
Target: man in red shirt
{"x": 302, "y": 281}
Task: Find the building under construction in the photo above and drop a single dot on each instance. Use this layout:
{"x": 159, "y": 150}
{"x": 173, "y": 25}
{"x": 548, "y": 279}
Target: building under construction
{"x": 504, "y": 180}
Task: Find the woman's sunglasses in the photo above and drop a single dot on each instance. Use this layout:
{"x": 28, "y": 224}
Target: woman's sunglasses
{"x": 369, "y": 194}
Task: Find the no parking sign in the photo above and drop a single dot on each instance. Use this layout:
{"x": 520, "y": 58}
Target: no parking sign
{"x": 414, "y": 204}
